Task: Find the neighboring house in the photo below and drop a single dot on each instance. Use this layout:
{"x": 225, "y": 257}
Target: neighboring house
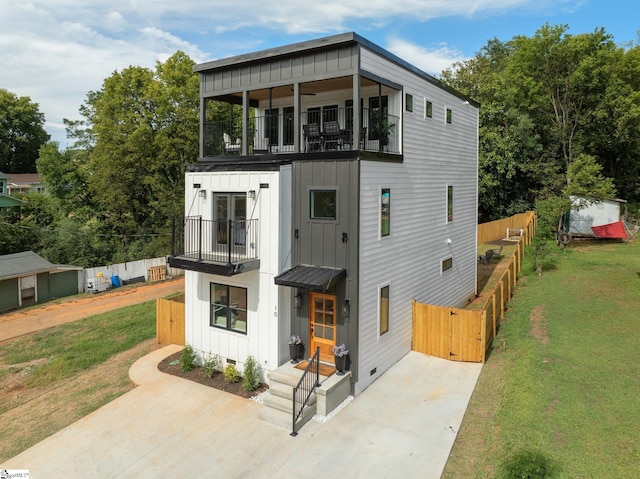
{"x": 27, "y": 278}
{"x": 24, "y": 183}
{"x": 10, "y": 208}
{"x": 307, "y": 216}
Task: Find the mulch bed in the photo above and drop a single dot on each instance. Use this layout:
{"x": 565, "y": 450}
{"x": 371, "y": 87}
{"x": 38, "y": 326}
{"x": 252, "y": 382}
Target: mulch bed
{"x": 216, "y": 381}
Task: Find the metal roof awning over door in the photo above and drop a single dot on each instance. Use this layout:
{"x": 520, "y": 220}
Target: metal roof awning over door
{"x": 312, "y": 278}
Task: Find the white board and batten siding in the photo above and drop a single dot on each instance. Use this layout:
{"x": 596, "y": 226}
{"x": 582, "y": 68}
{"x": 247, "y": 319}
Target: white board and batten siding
{"x": 265, "y": 321}
{"x": 436, "y": 154}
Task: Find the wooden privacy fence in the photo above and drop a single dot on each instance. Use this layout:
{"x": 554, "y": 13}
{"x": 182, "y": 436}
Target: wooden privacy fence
{"x": 170, "y": 320}
{"x": 462, "y": 334}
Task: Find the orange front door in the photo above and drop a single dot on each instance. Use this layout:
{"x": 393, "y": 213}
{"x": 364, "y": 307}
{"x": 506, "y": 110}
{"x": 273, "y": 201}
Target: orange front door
{"x": 322, "y": 325}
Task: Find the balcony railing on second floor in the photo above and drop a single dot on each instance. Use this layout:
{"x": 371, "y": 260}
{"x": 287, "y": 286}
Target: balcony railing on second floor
{"x": 334, "y": 131}
{"x": 227, "y": 243}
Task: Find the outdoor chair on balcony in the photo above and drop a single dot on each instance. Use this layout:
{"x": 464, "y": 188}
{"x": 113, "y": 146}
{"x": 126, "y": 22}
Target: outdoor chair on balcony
{"x": 229, "y": 147}
{"x": 312, "y": 137}
{"x": 332, "y": 137}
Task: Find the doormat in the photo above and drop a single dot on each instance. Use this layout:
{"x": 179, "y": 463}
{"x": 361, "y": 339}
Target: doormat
{"x": 325, "y": 369}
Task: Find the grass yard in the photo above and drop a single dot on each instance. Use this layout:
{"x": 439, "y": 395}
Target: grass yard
{"x": 561, "y": 395}
{"x": 52, "y": 378}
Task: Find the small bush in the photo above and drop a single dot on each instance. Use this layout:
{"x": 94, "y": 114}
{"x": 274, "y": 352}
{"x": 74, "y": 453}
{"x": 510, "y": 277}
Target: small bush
{"x": 211, "y": 364}
{"x": 231, "y": 374}
{"x": 188, "y": 358}
{"x": 251, "y": 375}
{"x": 527, "y": 465}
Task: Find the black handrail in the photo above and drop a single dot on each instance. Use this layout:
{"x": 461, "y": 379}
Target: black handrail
{"x": 307, "y": 385}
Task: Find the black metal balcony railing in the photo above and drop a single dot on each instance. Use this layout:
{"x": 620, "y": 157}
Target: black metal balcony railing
{"x": 224, "y": 242}
{"x": 275, "y": 133}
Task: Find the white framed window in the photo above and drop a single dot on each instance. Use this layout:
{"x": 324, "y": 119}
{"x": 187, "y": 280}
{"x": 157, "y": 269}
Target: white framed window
{"x": 428, "y": 108}
{"x": 383, "y": 310}
{"x": 446, "y": 264}
{"x": 385, "y": 212}
{"x": 449, "y": 202}
{"x": 408, "y": 102}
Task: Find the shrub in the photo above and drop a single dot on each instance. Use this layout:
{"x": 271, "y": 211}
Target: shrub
{"x": 211, "y": 364}
{"x": 528, "y": 465}
{"x": 251, "y": 374}
{"x": 188, "y": 358}
{"x": 231, "y": 374}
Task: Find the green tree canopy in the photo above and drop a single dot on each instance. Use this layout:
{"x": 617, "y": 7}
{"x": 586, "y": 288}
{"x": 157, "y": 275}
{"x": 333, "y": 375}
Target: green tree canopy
{"x": 546, "y": 100}
{"x": 21, "y": 133}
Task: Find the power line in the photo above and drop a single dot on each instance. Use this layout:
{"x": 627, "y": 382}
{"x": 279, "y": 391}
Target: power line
{"x": 98, "y": 235}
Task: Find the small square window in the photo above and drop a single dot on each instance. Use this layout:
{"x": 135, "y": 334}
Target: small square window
{"x": 428, "y": 109}
{"x": 322, "y": 204}
{"x": 408, "y": 102}
{"x": 447, "y": 264}
{"x": 384, "y": 310}
{"x": 449, "y": 115}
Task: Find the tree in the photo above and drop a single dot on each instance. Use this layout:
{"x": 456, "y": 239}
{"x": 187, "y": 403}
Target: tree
{"x": 545, "y": 101}
{"x": 21, "y": 133}
{"x": 144, "y": 129}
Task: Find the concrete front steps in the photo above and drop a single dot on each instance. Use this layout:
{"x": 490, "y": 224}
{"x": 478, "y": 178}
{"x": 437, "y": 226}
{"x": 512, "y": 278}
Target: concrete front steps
{"x": 277, "y": 406}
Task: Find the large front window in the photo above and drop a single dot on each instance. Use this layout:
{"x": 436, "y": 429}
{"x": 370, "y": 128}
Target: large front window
{"x": 229, "y": 307}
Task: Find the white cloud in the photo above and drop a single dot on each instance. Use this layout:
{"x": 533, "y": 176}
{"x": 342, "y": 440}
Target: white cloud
{"x": 431, "y": 59}
{"x": 56, "y": 51}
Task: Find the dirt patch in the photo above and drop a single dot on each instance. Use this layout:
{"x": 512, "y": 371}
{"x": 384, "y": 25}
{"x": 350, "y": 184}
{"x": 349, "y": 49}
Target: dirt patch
{"x": 21, "y": 322}
{"x": 539, "y": 329}
{"x": 197, "y": 375}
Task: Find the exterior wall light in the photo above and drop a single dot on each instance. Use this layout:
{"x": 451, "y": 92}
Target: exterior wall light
{"x": 346, "y": 308}
{"x": 297, "y": 300}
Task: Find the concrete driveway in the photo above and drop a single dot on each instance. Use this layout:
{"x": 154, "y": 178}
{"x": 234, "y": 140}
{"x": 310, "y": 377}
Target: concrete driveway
{"x": 403, "y": 425}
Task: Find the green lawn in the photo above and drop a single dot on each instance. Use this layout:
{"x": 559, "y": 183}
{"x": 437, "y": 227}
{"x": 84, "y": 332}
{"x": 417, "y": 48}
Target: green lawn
{"x": 74, "y": 347}
{"x": 564, "y": 390}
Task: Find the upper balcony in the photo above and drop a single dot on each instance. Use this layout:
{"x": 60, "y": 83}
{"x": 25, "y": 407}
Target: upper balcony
{"x": 316, "y": 99}
{"x": 325, "y": 128}
{"x": 216, "y": 247}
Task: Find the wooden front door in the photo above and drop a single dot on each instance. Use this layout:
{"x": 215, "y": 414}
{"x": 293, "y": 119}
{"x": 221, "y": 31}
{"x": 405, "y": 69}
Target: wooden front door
{"x": 322, "y": 325}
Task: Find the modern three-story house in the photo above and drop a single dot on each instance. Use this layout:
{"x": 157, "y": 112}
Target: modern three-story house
{"x": 341, "y": 186}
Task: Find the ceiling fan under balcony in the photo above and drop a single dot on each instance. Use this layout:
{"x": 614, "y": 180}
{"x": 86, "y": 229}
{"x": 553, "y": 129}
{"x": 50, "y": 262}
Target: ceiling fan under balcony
{"x": 303, "y": 93}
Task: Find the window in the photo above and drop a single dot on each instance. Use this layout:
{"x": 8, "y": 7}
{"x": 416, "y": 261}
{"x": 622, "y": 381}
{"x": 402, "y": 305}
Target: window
{"x": 378, "y": 108}
{"x": 271, "y": 125}
{"x": 428, "y": 109}
{"x": 384, "y": 310}
{"x": 385, "y": 211}
{"x": 322, "y": 204}
{"x": 408, "y": 102}
{"x": 446, "y": 264}
{"x": 449, "y": 115}
{"x": 226, "y": 207}
{"x": 287, "y": 125}
{"x": 329, "y": 113}
{"x": 449, "y": 203}
{"x": 228, "y": 307}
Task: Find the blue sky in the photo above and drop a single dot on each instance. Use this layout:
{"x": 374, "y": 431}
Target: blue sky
{"x": 56, "y": 51}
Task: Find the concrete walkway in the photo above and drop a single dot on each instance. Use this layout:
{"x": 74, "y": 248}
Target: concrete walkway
{"x": 403, "y": 425}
